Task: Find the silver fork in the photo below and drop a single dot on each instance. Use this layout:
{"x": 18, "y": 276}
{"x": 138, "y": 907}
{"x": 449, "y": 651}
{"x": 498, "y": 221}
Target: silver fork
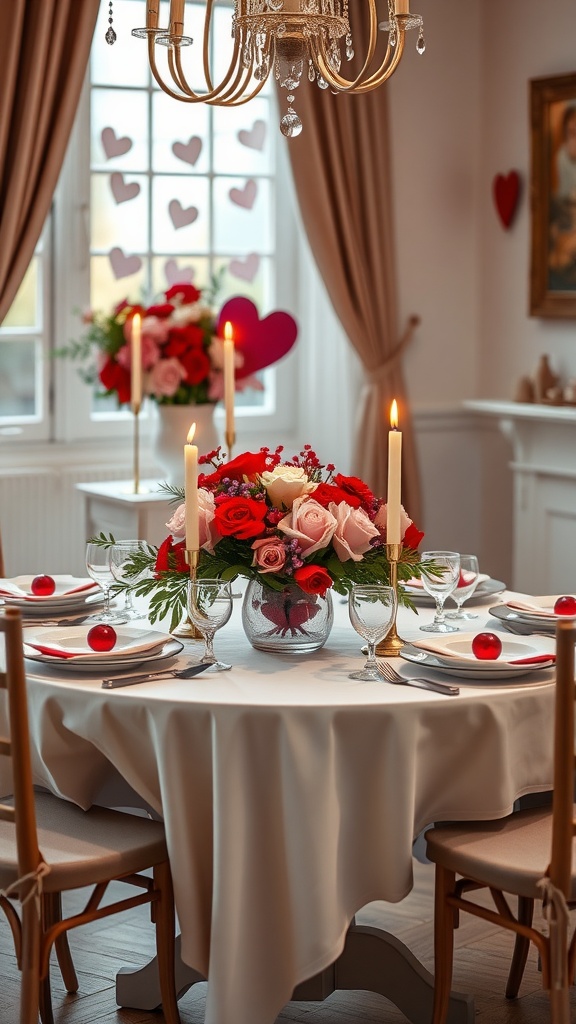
{"x": 425, "y": 684}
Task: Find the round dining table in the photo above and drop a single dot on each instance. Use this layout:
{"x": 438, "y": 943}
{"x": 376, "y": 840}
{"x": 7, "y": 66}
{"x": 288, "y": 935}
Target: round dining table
{"x": 291, "y": 796}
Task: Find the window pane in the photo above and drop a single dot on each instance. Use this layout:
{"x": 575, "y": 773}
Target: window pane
{"x": 126, "y": 62}
{"x": 119, "y": 211}
{"x": 180, "y": 214}
{"x": 242, "y": 139}
{"x": 119, "y": 130}
{"x": 180, "y": 136}
{"x": 242, "y": 215}
{"x": 24, "y": 310}
{"x": 17, "y": 379}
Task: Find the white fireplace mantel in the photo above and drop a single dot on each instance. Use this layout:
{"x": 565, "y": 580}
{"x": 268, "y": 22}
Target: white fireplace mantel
{"x": 543, "y": 439}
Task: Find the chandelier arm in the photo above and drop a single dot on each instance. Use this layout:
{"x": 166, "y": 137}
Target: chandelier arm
{"x": 333, "y": 77}
{"x": 386, "y": 69}
{"x": 206, "y": 46}
{"x": 358, "y": 86}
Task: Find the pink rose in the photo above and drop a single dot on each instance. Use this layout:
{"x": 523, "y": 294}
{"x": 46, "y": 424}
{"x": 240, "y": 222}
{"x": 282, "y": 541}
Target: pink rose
{"x": 209, "y": 535}
{"x": 150, "y": 354}
{"x": 380, "y": 521}
{"x": 310, "y": 524}
{"x": 269, "y": 554}
{"x": 177, "y": 523}
{"x": 164, "y": 378}
{"x": 353, "y": 532}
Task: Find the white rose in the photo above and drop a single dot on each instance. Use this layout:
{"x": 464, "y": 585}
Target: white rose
{"x": 286, "y": 483}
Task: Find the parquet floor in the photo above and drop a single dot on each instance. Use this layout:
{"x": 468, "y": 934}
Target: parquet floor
{"x": 481, "y": 967}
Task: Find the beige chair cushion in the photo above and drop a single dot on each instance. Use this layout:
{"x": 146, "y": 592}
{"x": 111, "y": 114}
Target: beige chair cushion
{"x": 510, "y": 854}
{"x": 85, "y": 847}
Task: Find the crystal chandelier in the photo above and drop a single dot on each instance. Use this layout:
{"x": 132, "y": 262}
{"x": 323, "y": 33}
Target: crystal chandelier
{"x": 286, "y": 38}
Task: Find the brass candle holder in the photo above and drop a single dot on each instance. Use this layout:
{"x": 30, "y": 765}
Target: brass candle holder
{"x": 136, "y": 406}
{"x": 391, "y": 645}
{"x": 230, "y": 438}
{"x": 187, "y": 630}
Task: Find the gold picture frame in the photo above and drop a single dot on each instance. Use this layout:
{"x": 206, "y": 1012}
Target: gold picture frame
{"x": 553, "y": 196}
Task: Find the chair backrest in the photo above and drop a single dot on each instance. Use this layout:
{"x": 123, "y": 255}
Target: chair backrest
{"x": 563, "y": 823}
{"x": 17, "y": 745}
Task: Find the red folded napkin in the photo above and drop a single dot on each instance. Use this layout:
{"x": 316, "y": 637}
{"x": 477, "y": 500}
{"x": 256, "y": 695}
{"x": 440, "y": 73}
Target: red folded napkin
{"x": 51, "y": 651}
{"x": 536, "y": 659}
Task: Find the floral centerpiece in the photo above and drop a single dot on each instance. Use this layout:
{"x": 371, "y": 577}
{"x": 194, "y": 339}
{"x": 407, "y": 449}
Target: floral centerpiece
{"x": 182, "y": 356}
{"x": 293, "y": 525}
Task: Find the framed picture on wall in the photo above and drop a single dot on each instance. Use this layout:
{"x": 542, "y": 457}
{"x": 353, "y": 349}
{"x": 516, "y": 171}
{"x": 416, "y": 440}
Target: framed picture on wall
{"x": 553, "y": 196}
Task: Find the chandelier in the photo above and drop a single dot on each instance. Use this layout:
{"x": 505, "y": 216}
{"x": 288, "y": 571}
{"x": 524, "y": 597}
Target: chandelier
{"x": 286, "y": 38}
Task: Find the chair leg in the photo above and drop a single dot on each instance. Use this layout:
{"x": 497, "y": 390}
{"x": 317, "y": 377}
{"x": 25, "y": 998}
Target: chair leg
{"x": 53, "y": 914}
{"x": 30, "y": 965}
{"x": 165, "y": 920}
{"x": 521, "y": 948}
{"x": 443, "y": 943}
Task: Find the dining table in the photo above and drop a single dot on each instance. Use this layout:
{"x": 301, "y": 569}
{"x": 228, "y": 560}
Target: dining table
{"x": 291, "y": 796}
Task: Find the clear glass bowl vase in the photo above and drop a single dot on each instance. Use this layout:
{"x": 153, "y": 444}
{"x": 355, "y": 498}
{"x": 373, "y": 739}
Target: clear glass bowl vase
{"x": 286, "y": 621}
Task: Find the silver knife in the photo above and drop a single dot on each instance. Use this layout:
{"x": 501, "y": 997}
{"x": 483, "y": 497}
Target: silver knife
{"x": 144, "y": 677}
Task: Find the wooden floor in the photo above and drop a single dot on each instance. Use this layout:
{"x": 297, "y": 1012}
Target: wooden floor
{"x": 481, "y": 966}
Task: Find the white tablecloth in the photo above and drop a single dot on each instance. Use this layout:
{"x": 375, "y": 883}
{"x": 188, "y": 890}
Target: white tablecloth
{"x": 291, "y": 794}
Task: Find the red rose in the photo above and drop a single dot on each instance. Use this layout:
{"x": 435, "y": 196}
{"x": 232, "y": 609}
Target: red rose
{"x": 325, "y": 493}
{"x": 182, "y": 340}
{"x": 161, "y": 310}
{"x": 115, "y": 378}
{"x": 197, "y": 366}
{"x": 187, "y": 293}
{"x": 313, "y": 579}
{"x": 413, "y": 537}
{"x": 356, "y": 488}
{"x": 241, "y": 518}
{"x": 248, "y": 464}
{"x": 171, "y": 557}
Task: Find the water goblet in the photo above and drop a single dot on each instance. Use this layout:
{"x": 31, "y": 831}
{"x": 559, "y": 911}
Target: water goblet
{"x": 440, "y": 582}
{"x": 371, "y": 608}
{"x": 98, "y": 567}
{"x": 209, "y": 608}
{"x": 467, "y": 583}
{"x": 121, "y": 554}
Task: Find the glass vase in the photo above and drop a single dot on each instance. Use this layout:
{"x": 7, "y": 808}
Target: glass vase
{"x": 286, "y": 621}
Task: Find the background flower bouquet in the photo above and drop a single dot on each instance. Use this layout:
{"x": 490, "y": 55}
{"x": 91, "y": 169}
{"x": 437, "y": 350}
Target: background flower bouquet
{"x": 292, "y": 523}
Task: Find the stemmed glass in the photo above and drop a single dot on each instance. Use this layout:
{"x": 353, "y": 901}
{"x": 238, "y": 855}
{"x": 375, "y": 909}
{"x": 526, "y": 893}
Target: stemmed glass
{"x": 120, "y": 557}
{"x": 371, "y": 608}
{"x": 467, "y": 583}
{"x": 210, "y": 607}
{"x": 98, "y": 567}
{"x": 440, "y": 582}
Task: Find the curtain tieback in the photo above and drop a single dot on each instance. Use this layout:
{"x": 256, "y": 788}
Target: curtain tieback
{"x": 380, "y": 372}
{"x": 35, "y": 890}
{"x": 557, "y": 916}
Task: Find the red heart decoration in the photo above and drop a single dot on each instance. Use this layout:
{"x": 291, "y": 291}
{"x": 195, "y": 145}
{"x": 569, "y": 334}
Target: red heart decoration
{"x": 261, "y": 342}
{"x": 506, "y": 191}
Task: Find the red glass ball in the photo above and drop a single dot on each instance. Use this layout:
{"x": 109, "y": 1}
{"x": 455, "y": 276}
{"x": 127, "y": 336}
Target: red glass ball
{"x": 101, "y": 637}
{"x": 486, "y": 646}
{"x": 43, "y": 586}
{"x": 565, "y": 605}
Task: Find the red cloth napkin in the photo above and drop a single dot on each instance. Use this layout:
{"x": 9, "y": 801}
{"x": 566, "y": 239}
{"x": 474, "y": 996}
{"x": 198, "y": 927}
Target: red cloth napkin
{"x": 536, "y": 659}
{"x": 51, "y": 651}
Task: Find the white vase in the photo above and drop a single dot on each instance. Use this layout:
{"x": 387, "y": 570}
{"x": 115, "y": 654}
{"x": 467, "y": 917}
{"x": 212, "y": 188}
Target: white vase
{"x": 172, "y": 425}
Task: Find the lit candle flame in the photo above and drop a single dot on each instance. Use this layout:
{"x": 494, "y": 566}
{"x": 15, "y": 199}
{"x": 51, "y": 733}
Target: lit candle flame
{"x": 394, "y": 415}
{"x": 191, "y": 433}
{"x": 228, "y": 332}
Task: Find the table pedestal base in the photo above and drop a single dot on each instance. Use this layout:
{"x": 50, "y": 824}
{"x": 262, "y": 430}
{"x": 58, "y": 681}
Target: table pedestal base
{"x": 372, "y": 960}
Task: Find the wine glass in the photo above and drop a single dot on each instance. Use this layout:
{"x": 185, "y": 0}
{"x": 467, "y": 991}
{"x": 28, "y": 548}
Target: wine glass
{"x": 467, "y": 583}
{"x": 210, "y": 607}
{"x": 440, "y": 582}
{"x": 98, "y": 567}
{"x": 121, "y": 554}
{"x": 371, "y": 608}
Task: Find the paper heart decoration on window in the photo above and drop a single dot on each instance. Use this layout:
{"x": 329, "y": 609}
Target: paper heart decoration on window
{"x": 260, "y": 342}
{"x": 506, "y": 192}
{"x": 180, "y": 216}
{"x": 121, "y": 190}
{"x": 113, "y": 146}
{"x": 122, "y": 265}
{"x": 188, "y": 151}
{"x": 178, "y": 275}
{"x": 255, "y": 137}
{"x": 244, "y": 196}
{"x": 245, "y": 269}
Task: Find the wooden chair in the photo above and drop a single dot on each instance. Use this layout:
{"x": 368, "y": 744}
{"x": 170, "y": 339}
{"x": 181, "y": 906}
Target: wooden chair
{"x": 49, "y": 846}
{"x": 529, "y": 854}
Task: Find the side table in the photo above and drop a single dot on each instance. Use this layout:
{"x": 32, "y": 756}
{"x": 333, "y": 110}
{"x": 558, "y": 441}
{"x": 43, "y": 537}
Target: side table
{"x": 112, "y": 507}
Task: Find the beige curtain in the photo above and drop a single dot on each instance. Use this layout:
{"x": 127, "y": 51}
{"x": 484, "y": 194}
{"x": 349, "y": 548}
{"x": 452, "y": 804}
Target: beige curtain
{"x": 341, "y": 165}
{"x": 44, "y": 49}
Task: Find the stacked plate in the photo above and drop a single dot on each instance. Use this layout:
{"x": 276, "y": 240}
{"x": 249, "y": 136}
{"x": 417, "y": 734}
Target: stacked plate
{"x": 486, "y": 589}
{"x": 69, "y": 648}
{"x": 532, "y": 612}
{"x": 71, "y": 594}
{"x": 452, "y": 655}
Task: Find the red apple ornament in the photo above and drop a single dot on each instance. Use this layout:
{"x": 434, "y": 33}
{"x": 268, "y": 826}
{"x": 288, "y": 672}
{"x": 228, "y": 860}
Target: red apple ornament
{"x": 565, "y": 605}
{"x": 101, "y": 637}
{"x": 486, "y": 646}
{"x": 42, "y": 586}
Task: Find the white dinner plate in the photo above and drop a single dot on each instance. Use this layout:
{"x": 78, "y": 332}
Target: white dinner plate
{"x": 111, "y": 664}
{"x": 466, "y": 666}
{"x": 131, "y": 642}
{"x": 485, "y": 590}
{"x": 506, "y": 614}
{"x": 68, "y": 590}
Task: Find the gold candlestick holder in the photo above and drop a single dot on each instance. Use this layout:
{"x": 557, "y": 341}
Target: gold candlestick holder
{"x": 230, "y": 438}
{"x": 391, "y": 645}
{"x": 187, "y": 630}
{"x": 136, "y": 411}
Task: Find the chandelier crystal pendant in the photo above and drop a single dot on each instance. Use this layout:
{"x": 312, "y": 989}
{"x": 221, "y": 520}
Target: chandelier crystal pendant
{"x": 286, "y": 38}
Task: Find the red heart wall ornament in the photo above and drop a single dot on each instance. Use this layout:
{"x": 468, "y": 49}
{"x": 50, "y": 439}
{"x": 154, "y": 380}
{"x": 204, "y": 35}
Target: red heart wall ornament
{"x": 261, "y": 342}
{"x": 506, "y": 192}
